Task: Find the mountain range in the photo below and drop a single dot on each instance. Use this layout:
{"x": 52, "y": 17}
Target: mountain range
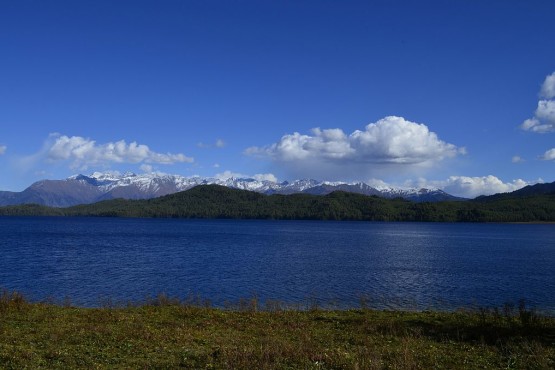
{"x": 81, "y": 189}
{"x": 536, "y": 204}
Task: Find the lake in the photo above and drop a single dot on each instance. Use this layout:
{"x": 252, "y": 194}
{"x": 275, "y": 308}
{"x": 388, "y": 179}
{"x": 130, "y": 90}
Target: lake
{"x": 335, "y": 264}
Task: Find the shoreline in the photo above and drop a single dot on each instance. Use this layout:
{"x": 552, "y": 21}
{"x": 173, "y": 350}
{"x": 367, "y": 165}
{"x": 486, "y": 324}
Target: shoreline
{"x": 6, "y": 216}
{"x": 216, "y": 202}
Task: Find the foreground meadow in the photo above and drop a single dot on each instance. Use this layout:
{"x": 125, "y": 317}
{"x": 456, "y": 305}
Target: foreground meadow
{"x": 165, "y": 333}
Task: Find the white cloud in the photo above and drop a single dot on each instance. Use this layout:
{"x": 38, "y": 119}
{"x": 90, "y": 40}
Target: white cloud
{"x": 265, "y": 177}
{"x": 544, "y": 116}
{"x": 548, "y": 87}
{"x": 220, "y": 143}
{"x": 517, "y": 159}
{"x": 461, "y": 186}
{"x": 548, "y": 155}
{"x": 229, "y": 174}
{"x": 378, "y": 184}
{"x": 3, "y": 149}
{"x": 392, "y": 141}
{"x": 83, "y": 152}
{"x": 146, "y": 168}
{"x": 546, "y": 111}
{"x": 260, "y": 176}
{"x": 471, "y": 187}
{"x": 533, "y": 124}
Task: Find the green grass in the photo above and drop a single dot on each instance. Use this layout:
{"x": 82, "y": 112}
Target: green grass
{"x": 165, "y": 333}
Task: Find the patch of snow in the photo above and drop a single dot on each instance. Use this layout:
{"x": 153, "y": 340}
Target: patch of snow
{"x": 150, "y": 184}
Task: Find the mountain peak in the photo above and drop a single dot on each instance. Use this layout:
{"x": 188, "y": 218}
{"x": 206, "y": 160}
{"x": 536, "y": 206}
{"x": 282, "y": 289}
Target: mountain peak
{"x": 81, "y": 189}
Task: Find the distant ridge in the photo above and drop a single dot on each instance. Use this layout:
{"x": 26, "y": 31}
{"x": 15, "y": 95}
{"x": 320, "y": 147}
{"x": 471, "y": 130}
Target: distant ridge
{"x": 217, "y": 201}
{"x": 81, "y": 189}
{"x": 529, "y": 190}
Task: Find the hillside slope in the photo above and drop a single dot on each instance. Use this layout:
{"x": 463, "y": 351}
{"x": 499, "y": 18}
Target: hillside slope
{"x": 214, "y": 201}
{"x": 80, "y": 189}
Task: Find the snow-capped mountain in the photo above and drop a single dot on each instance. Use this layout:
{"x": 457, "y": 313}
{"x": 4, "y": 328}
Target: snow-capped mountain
{"x": 81, "y": 189}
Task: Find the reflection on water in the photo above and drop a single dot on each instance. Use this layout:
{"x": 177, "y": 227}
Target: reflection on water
{"x": 389, "y": 265}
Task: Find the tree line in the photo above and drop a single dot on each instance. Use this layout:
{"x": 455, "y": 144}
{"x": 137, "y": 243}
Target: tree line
{"x": 213, "y": 201}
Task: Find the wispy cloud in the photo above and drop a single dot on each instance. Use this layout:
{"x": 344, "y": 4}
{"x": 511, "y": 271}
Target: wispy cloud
{"x": 517, "y": 159}
{"x": 83, "y": 152}
{"x": 147, "y": 168}
{"x": 331, "y": 153}
{"x": 259, "y": 176}
{"x": 218, "y": 144}
{"x": 3, "y": 149}
{"x": 544, "y": 116}
{"x": 229, "y": 174}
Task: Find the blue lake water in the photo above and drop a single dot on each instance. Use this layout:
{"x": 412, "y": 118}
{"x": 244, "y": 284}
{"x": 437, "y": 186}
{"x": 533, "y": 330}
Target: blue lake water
{"x": 390, "y": 265}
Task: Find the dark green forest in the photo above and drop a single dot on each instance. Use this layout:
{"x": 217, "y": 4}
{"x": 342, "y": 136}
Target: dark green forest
{"x": 213, "y": 201}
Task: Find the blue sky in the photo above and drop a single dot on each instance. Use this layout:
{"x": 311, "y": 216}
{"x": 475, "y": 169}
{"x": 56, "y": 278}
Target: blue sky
{"x": 453, "y": 94}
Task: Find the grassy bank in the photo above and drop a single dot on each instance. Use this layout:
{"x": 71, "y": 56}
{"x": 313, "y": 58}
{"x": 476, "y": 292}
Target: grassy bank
{"x": 168, "y": 334}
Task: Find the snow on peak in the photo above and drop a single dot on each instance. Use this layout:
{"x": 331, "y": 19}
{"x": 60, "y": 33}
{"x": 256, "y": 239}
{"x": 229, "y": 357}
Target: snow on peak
{"x": 155, "y": 184}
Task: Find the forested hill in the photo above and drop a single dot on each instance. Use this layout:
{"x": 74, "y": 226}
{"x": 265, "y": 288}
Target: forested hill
{"x": 527, "y": 191}
{"x": 213, "y": 201}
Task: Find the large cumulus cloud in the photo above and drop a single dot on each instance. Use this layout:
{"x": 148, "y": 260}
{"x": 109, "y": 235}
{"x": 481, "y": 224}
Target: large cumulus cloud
{"x": 390, "y": 142}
